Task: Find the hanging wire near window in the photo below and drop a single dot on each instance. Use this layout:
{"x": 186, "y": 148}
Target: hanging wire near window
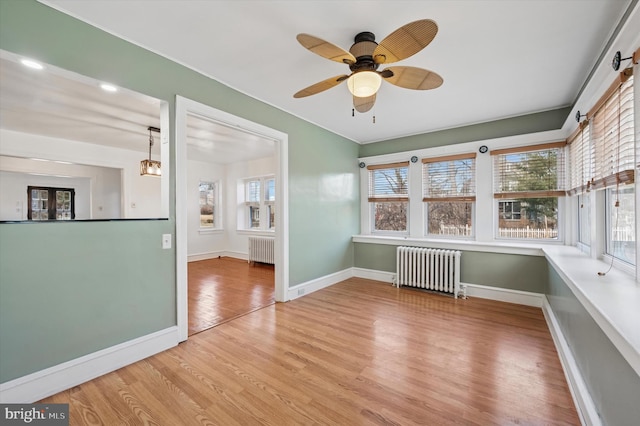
{"x": 616, "y": 205}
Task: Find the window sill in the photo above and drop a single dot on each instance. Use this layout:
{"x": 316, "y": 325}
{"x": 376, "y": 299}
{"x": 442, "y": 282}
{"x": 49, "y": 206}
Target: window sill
{"x": 256, "y": 232}
{"x": 613, "y": 300}
{"x": 457, "y": 244}
{"x": 204, "y": 231}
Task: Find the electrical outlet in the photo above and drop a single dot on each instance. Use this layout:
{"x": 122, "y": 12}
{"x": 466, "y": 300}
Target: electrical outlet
{"x": 166, "y": 241}
{"x": 300, "y": 291}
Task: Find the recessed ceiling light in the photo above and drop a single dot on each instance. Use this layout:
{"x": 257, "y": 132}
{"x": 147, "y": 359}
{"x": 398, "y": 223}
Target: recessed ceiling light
{"x": 32, "y": 64}
{"x": 108, "y": 87}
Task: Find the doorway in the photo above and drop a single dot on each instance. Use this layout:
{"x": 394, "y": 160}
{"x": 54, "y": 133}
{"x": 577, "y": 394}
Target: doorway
{"x": 228, "y": 237}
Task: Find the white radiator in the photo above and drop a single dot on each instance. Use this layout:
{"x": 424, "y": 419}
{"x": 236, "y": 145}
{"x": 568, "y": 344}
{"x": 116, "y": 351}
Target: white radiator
{"x": 427, "y": 268}
{"x": 261, "y": 249}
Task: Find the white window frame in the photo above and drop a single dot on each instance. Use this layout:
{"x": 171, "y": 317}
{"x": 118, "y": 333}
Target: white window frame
{"x": 510, "y": 194}
{"x": 371, "y": 202}
{"x": 467, "y": 195}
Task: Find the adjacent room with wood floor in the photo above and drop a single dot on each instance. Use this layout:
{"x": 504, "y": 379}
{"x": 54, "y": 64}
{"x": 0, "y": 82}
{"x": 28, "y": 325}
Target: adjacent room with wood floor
{"x": 225, "y": 288}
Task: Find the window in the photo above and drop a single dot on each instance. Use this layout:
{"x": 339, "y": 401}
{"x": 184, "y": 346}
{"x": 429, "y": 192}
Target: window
{"x": 46, "y": 203}
{"x": 252, "y": 197}
{"x": 580, "y": 179}
{"x": 209, "y": 205}
{"x": 270, "y": 200}
{"x": 389, "y": 196}
{"x": 612, "y": 134}
{"x": 527, "y": 183}
{"x": 621, "y": 230}
{"x": 584, "y": 218}
{"x": 613, "y": 159}
{"x": 449, "y": 192}
{"x": 259, "y": 201}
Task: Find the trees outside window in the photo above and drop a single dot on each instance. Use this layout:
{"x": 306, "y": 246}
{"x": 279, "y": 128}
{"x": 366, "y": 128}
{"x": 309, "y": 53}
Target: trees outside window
{"x": 448, "y": 185}
{"x": 208, "y": 205}
{"x": 528, "y": 182}
{"x": 389, "y": 196}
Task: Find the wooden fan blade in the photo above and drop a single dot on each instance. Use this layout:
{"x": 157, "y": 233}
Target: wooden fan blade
{"x": 325, "y": 49}
{"x": 321, "y": 86}
{"x": 364, "y": 104}
{"x": 405, "y": 41}
{"x": 412, "y": 78}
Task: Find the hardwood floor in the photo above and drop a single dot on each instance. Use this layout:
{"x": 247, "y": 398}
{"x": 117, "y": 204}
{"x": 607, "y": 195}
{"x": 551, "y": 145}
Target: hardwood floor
{"x": 358, "y": 352}
{"x": 225, "y": 288}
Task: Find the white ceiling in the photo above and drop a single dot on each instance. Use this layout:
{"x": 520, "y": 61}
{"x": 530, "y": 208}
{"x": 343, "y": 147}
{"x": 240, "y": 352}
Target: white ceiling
{"x": 498, "y": 58}
{"x": 63, "y": 105}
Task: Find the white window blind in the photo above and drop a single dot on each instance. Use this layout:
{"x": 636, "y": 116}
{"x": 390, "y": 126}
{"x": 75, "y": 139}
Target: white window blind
{"x": 388, "y": 182}
{"x": 612, "y": 136}
{"x": 580, "y": 160}
{"x": 450, "y": 178}
{"x": 530, "y": 172}
{"x": 253, "y": 191}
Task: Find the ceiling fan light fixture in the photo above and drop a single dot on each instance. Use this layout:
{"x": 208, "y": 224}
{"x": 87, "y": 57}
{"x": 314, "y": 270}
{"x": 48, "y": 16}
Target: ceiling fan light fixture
{"x": 364, "y": 83}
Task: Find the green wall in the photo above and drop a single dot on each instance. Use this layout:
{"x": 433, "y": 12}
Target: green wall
{"x": 92, "y": 311}
{"x": 520, "y": 125}
{"x": 511, "y": 271}
{"x": 62, "y": 297}
{"x": 613, "y": 384}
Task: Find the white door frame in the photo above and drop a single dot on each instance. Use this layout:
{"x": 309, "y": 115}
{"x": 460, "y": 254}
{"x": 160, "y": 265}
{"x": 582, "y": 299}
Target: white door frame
{"x": 184, "y": 107}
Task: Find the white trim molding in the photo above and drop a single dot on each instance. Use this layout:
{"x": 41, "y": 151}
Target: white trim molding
{"x": 217, "y": 254}
{"x": 372, "y": 274}
{"x": 47, "y": 382}
{"x": 318, "y": 283}
{"x": 504, "y": 294}
{"x": 581, "y": 396}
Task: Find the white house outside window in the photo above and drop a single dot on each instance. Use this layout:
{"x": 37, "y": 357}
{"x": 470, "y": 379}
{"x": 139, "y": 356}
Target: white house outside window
{"x": 529, "y": 179}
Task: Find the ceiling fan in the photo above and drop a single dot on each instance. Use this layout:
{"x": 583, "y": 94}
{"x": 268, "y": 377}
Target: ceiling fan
{"x": 365, "y": 56}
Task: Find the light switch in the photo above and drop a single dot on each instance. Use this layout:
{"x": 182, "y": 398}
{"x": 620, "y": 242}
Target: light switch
{"x": 166, "y": 241}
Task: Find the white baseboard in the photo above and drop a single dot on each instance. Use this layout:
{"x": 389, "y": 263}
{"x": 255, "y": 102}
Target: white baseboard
{"x": 504, "y": 295}
{"x": 372, "y": 274}
{"x": 581, "y": 396}
{"x": 319, "y": 283}
{"x": 47, "y": 382}
{"x": 473, "y": 290}
{"x": 216, "y": 254}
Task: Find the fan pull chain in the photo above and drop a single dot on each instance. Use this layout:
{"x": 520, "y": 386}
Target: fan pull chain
{"x": 353, "y": 112}
{"x": 374, "y": 119}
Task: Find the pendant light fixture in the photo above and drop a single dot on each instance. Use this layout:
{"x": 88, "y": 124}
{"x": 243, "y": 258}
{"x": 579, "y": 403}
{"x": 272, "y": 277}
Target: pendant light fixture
{"x": 150, "y": 167}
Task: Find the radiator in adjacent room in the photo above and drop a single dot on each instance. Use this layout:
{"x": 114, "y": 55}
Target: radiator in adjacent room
{"x": 261, "y": 249}
{"x": 429, "y": 269}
